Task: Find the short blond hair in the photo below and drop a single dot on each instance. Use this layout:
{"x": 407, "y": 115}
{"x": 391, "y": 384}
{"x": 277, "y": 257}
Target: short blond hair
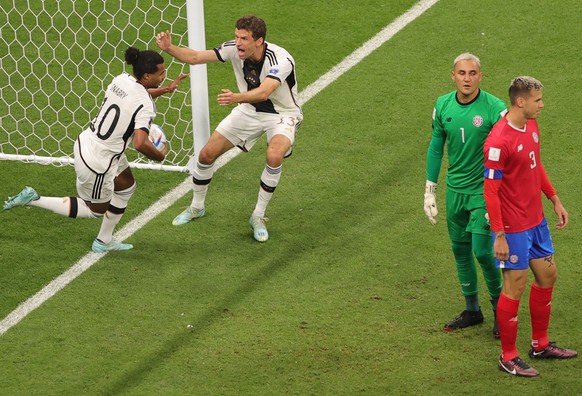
{"x": 467, "y": 56}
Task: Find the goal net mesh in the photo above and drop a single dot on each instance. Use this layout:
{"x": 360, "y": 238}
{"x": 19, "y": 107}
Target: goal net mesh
{"x": 57, "y": 58}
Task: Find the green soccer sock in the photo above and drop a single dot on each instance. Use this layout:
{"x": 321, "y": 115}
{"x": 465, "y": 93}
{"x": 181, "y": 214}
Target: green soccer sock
{"x": 472, "y": 302}
{"x": 467, "y": 273}
{"x": 483, "y": 248}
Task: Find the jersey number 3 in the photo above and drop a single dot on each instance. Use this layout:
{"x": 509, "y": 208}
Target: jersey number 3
{"x": 533, "y": 160}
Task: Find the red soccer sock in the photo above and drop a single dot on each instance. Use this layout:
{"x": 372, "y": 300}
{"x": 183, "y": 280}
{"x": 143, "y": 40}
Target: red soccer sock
{"x": 540, "y": 307}
{"x": 507, "y": 320}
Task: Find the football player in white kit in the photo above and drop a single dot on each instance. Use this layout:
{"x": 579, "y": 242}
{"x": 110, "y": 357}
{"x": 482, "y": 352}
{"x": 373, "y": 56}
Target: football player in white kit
{"x": 267, "y": 103}
{"x": 104, "y": 180}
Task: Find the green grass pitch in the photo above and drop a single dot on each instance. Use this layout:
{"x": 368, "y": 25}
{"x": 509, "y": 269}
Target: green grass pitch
{"x": 350, "y": 293}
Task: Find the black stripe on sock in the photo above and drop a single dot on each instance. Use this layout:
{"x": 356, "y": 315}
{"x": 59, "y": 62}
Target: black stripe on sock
{"x": 201, "y": 182}
{"x": 116, "y": 210}
{"x": 73, "y": 207}
{"x": 268, "y": 189}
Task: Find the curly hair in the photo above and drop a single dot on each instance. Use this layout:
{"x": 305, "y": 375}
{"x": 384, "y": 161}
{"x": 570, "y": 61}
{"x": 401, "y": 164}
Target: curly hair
{"x": 142, "y": 61}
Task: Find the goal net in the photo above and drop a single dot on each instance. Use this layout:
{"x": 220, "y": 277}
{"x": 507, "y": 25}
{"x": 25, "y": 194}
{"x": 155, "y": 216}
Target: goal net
{"x": 57, "y": 58}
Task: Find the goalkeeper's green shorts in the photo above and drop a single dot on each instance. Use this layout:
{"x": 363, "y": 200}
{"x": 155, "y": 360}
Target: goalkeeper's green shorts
{"x": 466, "y": 215}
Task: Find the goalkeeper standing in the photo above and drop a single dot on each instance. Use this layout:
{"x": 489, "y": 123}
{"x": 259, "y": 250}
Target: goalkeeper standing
{"x": 462, "y": 119}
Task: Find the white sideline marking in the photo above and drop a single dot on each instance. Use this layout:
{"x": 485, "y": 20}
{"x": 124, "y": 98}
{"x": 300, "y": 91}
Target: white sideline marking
{"x": 178, "y": 192}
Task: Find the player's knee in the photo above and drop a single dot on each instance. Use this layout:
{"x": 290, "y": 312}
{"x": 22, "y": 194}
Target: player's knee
{"x": 208, "y": 155}
{"x": 205, "y": 158}
{"x": 275, "y": 157}
{"x": 121, "y": 198}
{"x": 461, "y": 249}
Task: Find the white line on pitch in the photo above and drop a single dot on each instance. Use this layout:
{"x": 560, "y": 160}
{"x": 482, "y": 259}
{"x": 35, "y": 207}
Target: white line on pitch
{"x": 183, "y": 188}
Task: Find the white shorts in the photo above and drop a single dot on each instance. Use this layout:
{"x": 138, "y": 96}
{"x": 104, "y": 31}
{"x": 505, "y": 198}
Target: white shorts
{"x": 243, "y": 127}
{"x": 97, "y": 187}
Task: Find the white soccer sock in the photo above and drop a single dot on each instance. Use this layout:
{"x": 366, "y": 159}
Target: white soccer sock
{"x": 199, "y": 195}
{"x": 269, "y": 181}
{"x": 65, "y": 206}
{"x": 110, "y": 220}
{"x": 201, "y": 177}
{"x": 114, "y": 213}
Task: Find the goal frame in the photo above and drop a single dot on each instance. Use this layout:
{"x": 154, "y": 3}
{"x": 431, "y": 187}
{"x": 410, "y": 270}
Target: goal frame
{"x": 199, "y": 106}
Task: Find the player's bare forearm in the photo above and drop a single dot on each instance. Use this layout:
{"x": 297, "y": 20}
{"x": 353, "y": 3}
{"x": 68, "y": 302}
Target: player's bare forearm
{"x": 259, "y": 94}
{"x": 155, "y": 92}
{"x": 164, "y": 42}
{"x": 142, "y": 144}
{"x": 227, "y": 97}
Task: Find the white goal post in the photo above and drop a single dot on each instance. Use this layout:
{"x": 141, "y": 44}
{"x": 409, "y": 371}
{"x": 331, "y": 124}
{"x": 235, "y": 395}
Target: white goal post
{"x": 57, "y": 58}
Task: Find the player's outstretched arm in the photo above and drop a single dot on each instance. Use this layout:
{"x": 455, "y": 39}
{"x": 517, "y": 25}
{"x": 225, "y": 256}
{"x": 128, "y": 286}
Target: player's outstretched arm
{"x": 171, "y": 87}
{"x": 187, "y": 55}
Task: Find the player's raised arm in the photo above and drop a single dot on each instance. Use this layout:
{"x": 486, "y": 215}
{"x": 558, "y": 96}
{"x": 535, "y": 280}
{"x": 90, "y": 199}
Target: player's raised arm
{"x": 187, "y": 55}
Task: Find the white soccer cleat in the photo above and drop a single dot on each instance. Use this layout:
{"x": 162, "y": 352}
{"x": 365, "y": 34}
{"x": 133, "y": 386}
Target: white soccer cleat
{"x": 188, "y": 215}
{"x": 259, "y": 228}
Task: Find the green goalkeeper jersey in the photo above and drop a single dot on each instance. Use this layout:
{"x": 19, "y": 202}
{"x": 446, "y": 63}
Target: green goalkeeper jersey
{"x": 464, "y": 128}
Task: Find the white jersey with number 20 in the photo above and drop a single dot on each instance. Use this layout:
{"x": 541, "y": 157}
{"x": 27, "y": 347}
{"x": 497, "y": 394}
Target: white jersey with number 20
{"x": 127, "y": 106}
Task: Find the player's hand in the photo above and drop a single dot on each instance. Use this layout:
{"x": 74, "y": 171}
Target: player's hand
{"x": 164, "y": 40}
{"x": 560, "y": 212}
{"x": 562, "y": 216}
{"x": 500, "y": 247}
{"x": 430, "y": 208}
{"x": 165, "y": 149}
{"x": 174, "y": 84}
{"x": 226, "y": 98}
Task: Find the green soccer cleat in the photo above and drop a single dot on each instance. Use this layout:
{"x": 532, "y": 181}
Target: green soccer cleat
{"x": 259, "y": 229}
{"x": 188, "y": 215}
{"x": 100, "y": 247}
{"x": 23, "y": 198}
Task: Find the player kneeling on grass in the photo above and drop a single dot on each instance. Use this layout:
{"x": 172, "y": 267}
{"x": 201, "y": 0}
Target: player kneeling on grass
{"x": 104, "y": 180}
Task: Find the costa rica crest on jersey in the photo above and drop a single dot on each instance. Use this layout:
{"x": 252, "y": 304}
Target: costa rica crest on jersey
{"x": 477, "y": 121}
{"x": 535, "y": 137}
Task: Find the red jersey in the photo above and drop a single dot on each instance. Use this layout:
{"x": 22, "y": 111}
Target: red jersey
{"x": 514, "y": 177}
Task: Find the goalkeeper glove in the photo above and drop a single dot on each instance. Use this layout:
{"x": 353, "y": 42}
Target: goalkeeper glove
{"x": 430, "y": 208}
